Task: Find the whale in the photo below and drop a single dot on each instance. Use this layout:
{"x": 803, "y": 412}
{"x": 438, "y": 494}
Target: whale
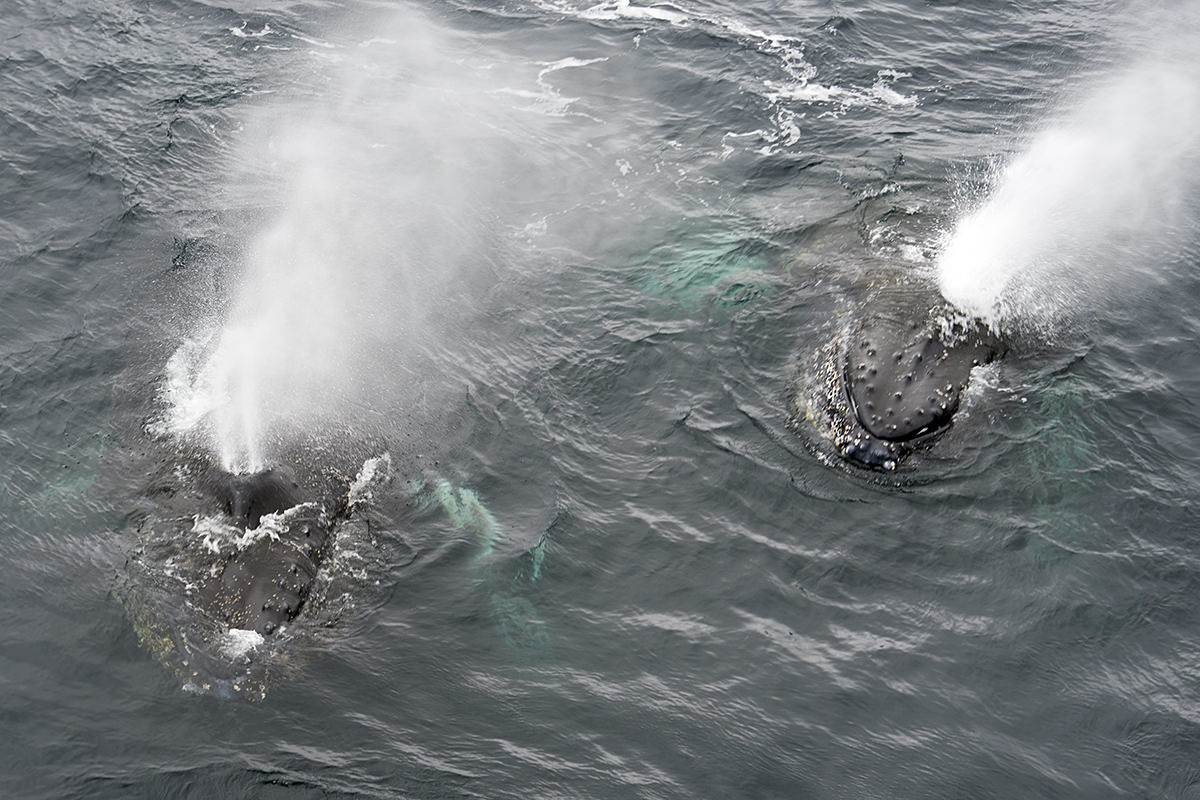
{"x": 896, "y": 377}
{"x": 233, "y": 581}
{"x": 262, "y": 585}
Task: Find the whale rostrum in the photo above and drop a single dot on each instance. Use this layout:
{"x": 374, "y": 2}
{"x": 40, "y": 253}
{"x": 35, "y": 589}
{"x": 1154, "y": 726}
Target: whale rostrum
{"x": 903, "y": 382}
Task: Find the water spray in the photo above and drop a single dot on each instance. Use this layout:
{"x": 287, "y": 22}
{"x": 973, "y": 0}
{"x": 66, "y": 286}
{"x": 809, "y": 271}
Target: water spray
{"x": 382, "y": 170}
{"x": 1092, "y": 199}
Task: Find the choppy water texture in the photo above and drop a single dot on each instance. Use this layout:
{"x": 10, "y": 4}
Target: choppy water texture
{"x": 577, "y": 267}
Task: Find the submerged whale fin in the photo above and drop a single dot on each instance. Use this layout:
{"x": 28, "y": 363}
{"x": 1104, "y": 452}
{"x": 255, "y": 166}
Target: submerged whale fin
{"x": 464, "y": 509}
{"x": 514, "y": 612}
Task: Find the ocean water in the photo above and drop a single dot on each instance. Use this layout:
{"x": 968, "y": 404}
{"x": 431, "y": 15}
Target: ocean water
{"x": 574, "y": 268}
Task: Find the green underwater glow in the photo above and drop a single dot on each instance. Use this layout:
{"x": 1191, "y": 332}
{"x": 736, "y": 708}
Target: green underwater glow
{"x": 516, "y": 616}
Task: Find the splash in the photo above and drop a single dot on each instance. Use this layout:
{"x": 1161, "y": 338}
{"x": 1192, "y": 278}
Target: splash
{"x": 1093, "y": 200}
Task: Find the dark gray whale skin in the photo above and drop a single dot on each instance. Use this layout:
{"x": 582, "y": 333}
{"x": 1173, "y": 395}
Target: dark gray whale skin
{"x": 231, "y": 581}
{"x": 264, "y": 585}
{"x": 903, "y": 382}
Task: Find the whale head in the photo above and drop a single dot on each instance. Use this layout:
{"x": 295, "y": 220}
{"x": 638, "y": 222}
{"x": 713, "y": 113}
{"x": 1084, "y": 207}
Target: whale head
{"x": 902, "y": 382}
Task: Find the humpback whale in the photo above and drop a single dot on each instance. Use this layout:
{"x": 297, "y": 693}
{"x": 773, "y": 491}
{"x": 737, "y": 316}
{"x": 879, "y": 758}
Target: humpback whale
{"x": 262, "y": 584}
{"x": 235, "y": 577}
{"x": 895, "y": 378}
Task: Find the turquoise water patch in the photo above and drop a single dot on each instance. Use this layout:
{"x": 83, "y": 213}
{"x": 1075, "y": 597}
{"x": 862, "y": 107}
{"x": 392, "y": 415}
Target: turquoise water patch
{"x": 1061, "y": 459}
{"x": 63, "y": 482}
{"x": 725, "y": 269}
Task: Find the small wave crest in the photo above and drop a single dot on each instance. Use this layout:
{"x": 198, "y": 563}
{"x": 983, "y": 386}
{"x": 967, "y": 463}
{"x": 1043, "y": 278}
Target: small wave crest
{"x": 790, "y": 86}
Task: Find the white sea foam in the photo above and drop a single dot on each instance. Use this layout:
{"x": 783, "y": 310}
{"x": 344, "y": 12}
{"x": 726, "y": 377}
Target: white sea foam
{"x": 314, "y": 42}
{"x": 882, "y": 88}
{"x": 236, "y": 643}
{"x": 212, "y": 390}
{"x": 184, "y": 407}
{"x": 217, "y": 534}
{"x": 547, "y": 99}
{"x": 799, "y": 84}
{"x": 242, "y": 33}
{"x": 623, "y": 9}
{"x": 375, "y": 471}
{"x": 214, "y": 532}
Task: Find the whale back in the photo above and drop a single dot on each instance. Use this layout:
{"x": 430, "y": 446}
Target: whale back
{"x": 264, "y": 585}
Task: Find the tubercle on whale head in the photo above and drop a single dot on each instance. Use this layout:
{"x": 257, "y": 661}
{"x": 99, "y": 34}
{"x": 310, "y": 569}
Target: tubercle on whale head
{"x": 870, "y": 452}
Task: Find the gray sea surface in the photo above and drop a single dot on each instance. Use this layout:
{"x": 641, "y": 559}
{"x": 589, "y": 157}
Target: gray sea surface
{"x": 574, "y": 266}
